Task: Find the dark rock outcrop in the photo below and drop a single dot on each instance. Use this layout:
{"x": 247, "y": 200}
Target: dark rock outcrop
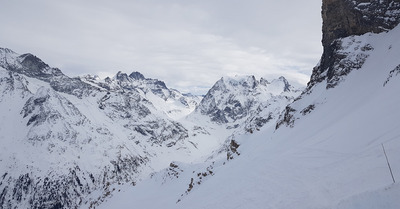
{"x": 343, "y": 53}
{"x": 137, "y": 76}
{"x": 343, "y": 18}
{"x": 32, "y": 66}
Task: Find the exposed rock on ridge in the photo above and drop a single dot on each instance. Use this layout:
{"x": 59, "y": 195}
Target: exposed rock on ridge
{"x": 343, "y": 18}
{"x": 32, "y": 66}
{"x": 246, "y": 101}
{"x": 77, "y": 135}
{"x": 343, "y": 21}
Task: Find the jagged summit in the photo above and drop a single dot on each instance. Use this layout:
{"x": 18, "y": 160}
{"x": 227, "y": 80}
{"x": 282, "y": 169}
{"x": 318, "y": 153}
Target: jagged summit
{"x": 135, "y": 80}
{"x": 136, "y": 75}
{"x": 6, "y": 50}
{"x": 122, "y": 77}
{"x": 32, "y": 66}
{"x": 27, "y": 64}
{"x": 248, "y": 82}
{"x": 154, "y": 89}
{"x": 232, "y": 100}
{"x": 280, "y": 85}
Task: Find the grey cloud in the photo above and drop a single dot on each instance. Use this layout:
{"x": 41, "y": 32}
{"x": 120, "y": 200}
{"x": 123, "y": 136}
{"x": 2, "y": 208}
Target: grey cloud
{"x": 188, "y": 44}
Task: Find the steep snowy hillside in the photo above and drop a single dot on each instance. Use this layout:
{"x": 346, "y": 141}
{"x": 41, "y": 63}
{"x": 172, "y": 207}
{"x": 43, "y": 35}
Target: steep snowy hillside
{"x": 325, "y": 152}
{"x": 74, "y": 137}
{"x": 54, "y": 142}
{"x": 132, "y": 142}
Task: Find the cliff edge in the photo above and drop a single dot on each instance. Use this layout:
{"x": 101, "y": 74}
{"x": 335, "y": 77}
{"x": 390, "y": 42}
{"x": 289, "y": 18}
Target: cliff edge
{"x": 343, "y": 18}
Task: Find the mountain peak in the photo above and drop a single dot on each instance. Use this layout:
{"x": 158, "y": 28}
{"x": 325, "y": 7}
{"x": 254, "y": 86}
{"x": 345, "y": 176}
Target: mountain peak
{"x": 137, "y": 76}
{"x": 235, "y": 98}
{"x": 120, "y": 76}
{"x": 246, "y": 81}
{"x": 286, "y": 82}
{"x": 6, "y": 50}
{"x": 29, "y": 60}
{"x": 27, "y": 64}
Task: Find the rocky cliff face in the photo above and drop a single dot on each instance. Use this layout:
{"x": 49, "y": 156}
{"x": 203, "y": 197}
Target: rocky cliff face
{"x": 347, "y": 47}
{"x": 343, "y": 18}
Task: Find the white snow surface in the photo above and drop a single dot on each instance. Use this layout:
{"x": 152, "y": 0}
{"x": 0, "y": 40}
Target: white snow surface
{"x": 49, "y": 134}
{"x": 331, "y": 158}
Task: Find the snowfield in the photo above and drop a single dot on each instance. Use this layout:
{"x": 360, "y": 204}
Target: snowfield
{"x": 332, "y": 157}
{"x": 71, "y": 140}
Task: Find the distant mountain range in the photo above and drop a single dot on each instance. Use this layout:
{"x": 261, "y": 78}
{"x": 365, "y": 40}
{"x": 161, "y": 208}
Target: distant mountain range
{"x": 83, "y": 134}
{"x": 132, "y": 142}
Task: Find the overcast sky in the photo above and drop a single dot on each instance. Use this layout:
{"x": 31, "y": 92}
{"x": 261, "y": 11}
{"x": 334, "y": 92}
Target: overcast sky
{"x": 186, "y": 43}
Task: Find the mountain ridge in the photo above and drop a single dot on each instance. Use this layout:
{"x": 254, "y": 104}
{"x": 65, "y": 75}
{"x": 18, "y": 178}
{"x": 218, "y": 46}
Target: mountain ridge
{"x": 344, "y": 18}
{"x": 326, "y": 153}
{"x": 90, "y": 134}
{"x": 122, "y": 141}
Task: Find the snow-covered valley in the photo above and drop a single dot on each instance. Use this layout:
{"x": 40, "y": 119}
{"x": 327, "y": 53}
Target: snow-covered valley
{"x": 84, "y": 135}
{"x": 129, "y": 141}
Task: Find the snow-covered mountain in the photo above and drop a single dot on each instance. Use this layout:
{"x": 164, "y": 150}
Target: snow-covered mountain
{"x": 175, "y": 104}
{"x": 65, "y": 135}
{"x": 327, "y": 153}
{"x": 244, "y": 101}
{"x": 130, "y": 141}
{"x": 325, "y": 150}
{"x": 66, "y": 141}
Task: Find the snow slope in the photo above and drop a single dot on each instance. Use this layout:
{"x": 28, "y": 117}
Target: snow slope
{"x": 68, "y": 141}
{"x": 326, "y": 153}
{"x": 63, "y": 138}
